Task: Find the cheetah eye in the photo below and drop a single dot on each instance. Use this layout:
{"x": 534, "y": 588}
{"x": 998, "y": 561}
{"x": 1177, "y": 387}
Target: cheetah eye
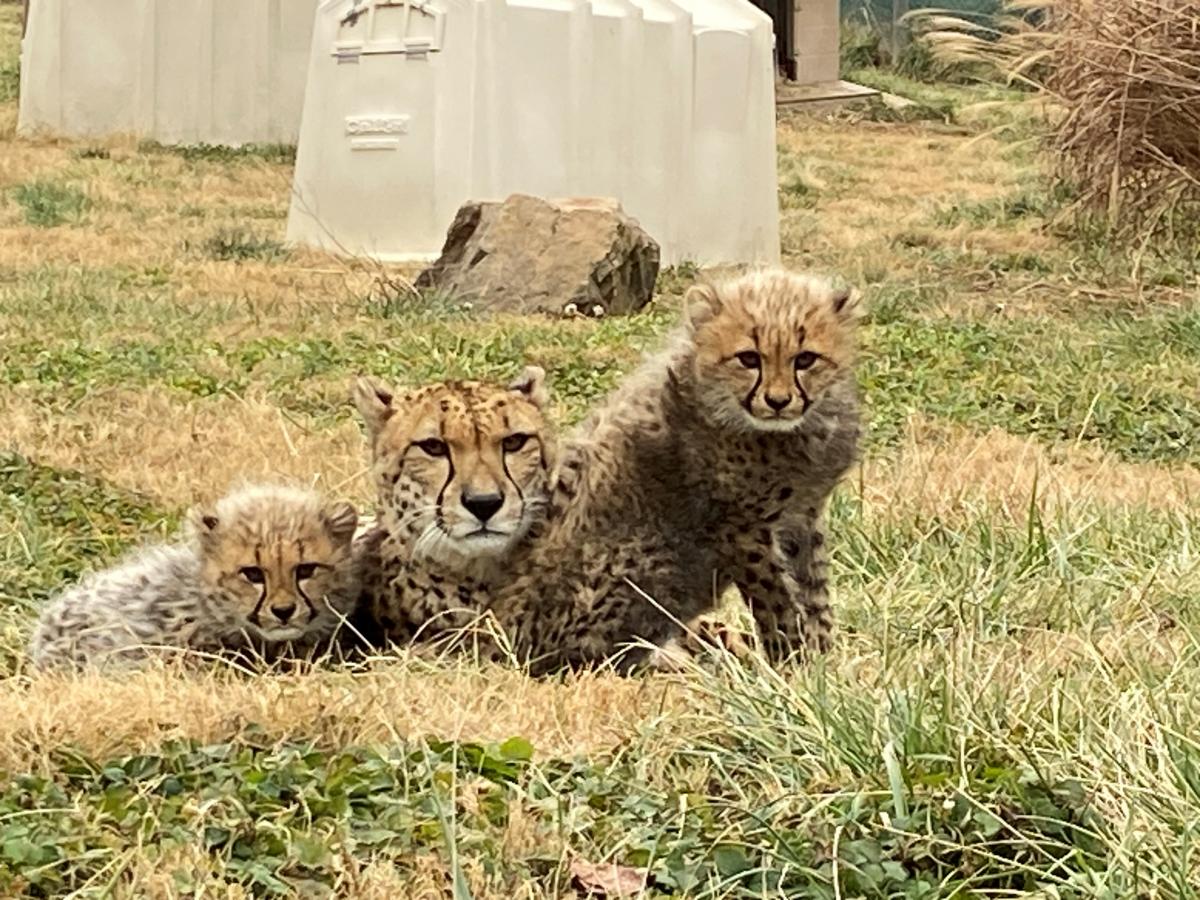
{"x": 253, "y": 574}
{"x": 749, "y": 359}
{"x": 805, "y": 360}
{"x": 305, "y": 571}
{"x": 514, "y": 442}
{"x": 434, "y": 447}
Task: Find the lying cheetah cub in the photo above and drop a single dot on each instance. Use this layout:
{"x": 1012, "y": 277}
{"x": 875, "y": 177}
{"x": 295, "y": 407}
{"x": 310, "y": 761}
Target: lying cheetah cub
{"x": 461, "y": 471}
{"x": 267, "y": 569}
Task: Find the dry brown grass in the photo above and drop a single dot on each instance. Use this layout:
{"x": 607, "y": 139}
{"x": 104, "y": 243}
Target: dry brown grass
{"x": 184, "y": 450}
{"x": 953, "y": 472}
{"x": 1124, "y": 76}
{"x": 1128, "y": 74}
{"x": 105, "y": 716}
{"x": 875, "y": 184}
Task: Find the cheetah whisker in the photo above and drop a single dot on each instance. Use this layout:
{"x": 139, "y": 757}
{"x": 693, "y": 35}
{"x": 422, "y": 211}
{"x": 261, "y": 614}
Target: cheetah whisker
{"x": 432, "y": 543}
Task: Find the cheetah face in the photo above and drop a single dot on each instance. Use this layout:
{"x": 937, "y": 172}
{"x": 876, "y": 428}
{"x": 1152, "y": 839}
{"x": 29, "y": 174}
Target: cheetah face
{"x": 768, "y": 345}
{"x": 461, "y": 468}
{"x": 273, "y": 557}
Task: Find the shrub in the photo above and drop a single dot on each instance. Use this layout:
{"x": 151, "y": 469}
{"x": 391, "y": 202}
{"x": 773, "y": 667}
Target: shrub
{"x": 50, "y": 203}
{"x": 1124, "y": 80}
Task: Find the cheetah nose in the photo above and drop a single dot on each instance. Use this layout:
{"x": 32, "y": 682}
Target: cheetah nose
{"x": 777, "y": 403}
{"x": 483, "y": 506}
{"x": 283, "y": 613}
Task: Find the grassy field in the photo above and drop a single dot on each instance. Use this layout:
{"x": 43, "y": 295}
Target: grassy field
{"x": 1011, "y": 708}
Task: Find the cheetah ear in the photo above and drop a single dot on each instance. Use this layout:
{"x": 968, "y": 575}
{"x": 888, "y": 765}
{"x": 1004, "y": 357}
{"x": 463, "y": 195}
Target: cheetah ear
{"x": 374, "y": 402}
{"x": 847, "y": 305}
{"x": 203, "y": 523}
{"x": 531, "y": 384}
{"x": 340, "y": 521}
{"x": 700, "y": 304}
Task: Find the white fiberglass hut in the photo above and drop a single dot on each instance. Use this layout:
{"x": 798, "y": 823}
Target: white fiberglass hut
{"x": 225, "y": 72}
{"x": 413, "y": 108}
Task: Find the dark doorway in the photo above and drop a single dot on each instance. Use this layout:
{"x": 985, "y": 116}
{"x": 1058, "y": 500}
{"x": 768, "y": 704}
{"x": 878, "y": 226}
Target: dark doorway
{"x": 783, "y": 16}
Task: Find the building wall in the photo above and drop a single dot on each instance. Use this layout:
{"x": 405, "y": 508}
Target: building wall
{"x": 816, "y": 40}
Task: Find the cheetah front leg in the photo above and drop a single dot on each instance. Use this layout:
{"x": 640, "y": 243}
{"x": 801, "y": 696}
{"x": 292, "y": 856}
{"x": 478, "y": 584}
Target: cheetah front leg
{"x": 785, "y": 583}
{"x": 802, "y": 547}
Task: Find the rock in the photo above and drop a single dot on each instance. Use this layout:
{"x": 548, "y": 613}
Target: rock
{"x": 581, "y": 256}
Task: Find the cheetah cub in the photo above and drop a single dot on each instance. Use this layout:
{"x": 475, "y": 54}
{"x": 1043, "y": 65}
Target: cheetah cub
{"x": 709, "y": 466}
{"x": 268, "y": 570}
{"x": 765, "y": 364}
{"x": 461, "y": 470}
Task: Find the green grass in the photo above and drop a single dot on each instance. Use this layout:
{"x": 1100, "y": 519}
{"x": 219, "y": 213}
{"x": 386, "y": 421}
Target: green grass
{"x": 976, "y": 106}
{"x": 58, "y": 525}
{"x": 238, "y": 245}
{"x": 211, "y": 153}
{"x": 1025, "y": 204}
{"x": 47, "y": 204}
{"x": 584, "y": 362}
{"x": 1089, "y": 384}
{"x": 10, "y": 81}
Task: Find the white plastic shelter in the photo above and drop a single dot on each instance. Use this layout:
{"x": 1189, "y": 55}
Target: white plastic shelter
{"x": 415, "y": 106}
{"x": 177, "y": 71}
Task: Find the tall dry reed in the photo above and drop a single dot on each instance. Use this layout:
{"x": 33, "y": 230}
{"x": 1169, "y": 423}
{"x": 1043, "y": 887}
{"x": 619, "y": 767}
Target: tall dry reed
{"x": 1124, "y": 79}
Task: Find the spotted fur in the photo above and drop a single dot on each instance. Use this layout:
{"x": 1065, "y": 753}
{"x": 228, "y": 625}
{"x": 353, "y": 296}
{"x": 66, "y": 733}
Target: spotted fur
{"x": 461, "y": 472}
{"x": 268, "y": 571}
{"x": 766, "y": 362}
{"x": 696, "y": 474}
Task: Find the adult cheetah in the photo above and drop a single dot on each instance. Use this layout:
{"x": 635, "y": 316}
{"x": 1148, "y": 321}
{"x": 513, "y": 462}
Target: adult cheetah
{"x": 462, "y": 476}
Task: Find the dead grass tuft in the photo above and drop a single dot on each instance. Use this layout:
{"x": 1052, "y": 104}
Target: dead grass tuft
{"x": 1125, "y": 76}
{"x": 947, "y": 470}
{"x": 394, "y": 701}
{"x": 183, "y": 449}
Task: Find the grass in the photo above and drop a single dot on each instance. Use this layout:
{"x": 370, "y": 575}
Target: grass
{"x": 271, "y": 153}
{"x": 238, "y": 245}
{"x": 1009, "y": 710}
{"x": 46, "y": 204}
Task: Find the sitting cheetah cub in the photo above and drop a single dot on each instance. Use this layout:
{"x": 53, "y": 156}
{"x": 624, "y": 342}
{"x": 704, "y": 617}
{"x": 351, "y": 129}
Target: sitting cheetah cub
{"x": 461, "y": 471}
{"x": 711, "y": 465}
{"x": 766, "y": 365}
{"x": 268, "y": 569}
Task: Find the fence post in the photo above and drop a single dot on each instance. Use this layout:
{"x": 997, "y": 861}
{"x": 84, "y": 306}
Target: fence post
{"x": 899, "y": 30}
{"x": 24, "y": 17}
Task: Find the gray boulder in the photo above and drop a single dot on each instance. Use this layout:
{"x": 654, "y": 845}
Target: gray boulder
{"x": 578, "y": 256}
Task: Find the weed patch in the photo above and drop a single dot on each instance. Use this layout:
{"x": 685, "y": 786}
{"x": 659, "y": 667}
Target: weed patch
{"x": 239, "y": 245}
{"x": 999, "y": 211}
{"x": 674, "y": 280}
{"x": 279, "y": 819}
{"x": 396, "y": 298}
{"x": 275, "y": 154}
{"x": 92, "y": 153}
{"x": 47, "y": 204}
